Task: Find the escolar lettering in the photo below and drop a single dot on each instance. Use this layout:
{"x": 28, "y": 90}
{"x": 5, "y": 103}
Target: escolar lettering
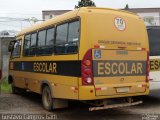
{"x": 107, "y": 68}
{"x": 154, "y": 65}
{"x": 45, "y": 67}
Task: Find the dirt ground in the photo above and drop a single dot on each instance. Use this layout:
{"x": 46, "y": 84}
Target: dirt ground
{"x": 30, "y": 103}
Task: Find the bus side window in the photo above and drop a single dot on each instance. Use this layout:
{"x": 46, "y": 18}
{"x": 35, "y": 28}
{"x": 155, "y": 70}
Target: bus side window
{"x": 50, "y": 41}
{"x": 41, "y": 42}
{"x": 61, "y": 39}
{"x": 33, "y": 47}
{"x": 27, "y": 44}
{"x": 73, "y": 37}
{"x": 45, "y": 42}
{"x": 154, "y": 41}
{"x": 17, "y": 49}
{"x": 67, "y": 38}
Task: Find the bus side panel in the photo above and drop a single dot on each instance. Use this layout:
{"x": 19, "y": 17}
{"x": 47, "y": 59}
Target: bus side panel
{"x": 62, "y": 86}
{"x": 64, "y": 78}
{"x": 154, "y": 80}
{"x": 154, "y": 72}
{"x": 18, "y": 79}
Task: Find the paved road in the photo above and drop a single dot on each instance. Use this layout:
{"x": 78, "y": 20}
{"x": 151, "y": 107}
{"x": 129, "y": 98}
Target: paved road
{"x": 30, "y": 103}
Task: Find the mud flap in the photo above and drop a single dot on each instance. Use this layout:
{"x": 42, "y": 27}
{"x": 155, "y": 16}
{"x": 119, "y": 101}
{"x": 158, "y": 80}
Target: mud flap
{"x": 58, "y": 103}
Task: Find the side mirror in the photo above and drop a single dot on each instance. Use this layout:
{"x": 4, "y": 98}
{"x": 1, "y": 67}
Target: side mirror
{"x": 11, "y": 46}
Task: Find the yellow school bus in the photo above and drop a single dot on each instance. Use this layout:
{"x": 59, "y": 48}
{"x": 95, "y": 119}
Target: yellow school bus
{"x": 89, "y": 54}
{"x": 154, "y": 42}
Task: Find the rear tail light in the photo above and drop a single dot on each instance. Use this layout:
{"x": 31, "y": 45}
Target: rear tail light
{"x": 147, "y": 67}
{"x": 86, "y": 69}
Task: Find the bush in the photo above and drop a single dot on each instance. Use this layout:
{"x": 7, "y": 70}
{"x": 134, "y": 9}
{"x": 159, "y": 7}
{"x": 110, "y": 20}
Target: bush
{"x": 4, "y": 86}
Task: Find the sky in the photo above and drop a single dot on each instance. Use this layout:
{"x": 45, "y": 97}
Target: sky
{"x": 33, "y": 8}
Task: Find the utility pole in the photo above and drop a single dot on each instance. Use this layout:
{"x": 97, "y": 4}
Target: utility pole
{"x": 1, "y": 59}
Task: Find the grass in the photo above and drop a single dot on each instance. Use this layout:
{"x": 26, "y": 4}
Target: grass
{"x": 4, "y": 86}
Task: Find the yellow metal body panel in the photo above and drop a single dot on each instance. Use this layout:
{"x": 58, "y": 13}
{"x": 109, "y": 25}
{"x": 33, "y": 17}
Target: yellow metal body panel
{"x": 86, "y": 94}
{"x": 98, "y": 27}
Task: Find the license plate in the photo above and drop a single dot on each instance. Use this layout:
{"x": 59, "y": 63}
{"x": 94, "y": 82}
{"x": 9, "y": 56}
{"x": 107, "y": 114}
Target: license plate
{"x": 122, "y": 90}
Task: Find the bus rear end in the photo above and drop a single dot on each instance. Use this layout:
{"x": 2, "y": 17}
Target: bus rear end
{"x": 121, "y": 72}
{"x": 114, "y": 55}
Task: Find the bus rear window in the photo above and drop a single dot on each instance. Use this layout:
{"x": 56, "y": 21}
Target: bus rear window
{"x": 154, "y": 41}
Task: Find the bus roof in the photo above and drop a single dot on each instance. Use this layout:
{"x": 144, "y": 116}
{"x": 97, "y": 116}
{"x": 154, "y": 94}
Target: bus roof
{"x": 66, "y": 16}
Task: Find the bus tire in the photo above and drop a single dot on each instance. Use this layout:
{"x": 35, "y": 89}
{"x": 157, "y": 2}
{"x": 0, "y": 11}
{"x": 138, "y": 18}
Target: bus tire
{"x": 47, "y": 98}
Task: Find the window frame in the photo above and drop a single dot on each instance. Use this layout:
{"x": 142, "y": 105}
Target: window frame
{"x": 54, "y": 40}
{"x": 24, "y": 40}
{"x": 56, "y": 31}
{"x": 53, "y": 36}
{"x": 30, "y": 44}
{"x": 25, "y": 43}
{"x": 148, "y": 29}
{"x": 46, "y": 29}
{"x": 38, "y": 37}
{"x": 64, "y": 22}
{"x": 11, "y": 56}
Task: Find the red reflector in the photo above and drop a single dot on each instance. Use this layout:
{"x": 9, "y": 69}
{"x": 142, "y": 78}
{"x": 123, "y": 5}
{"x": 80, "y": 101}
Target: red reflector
{"x": 143, "y": 49}
{"x": 144, "y": 85}
{"x": 76, "y": 88}
{"x": 88, "y": 62}
{"x": 96, "y": 46}
{"x": 98, "y": 88}
{"x": 91, "y": 91}
{"x": 88, "y": 71}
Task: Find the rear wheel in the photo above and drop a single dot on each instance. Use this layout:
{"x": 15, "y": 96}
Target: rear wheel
{"x": 47, "y": 98}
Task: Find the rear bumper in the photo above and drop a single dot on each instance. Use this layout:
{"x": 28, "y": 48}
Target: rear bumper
{"x": 89, "y": 93}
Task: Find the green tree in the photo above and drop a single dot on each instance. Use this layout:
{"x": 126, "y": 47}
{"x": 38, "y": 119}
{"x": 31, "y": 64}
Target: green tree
{"x": 126, "y": 7}
{"x": 85, "y": 3}
{"x": 34, "y": 20}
